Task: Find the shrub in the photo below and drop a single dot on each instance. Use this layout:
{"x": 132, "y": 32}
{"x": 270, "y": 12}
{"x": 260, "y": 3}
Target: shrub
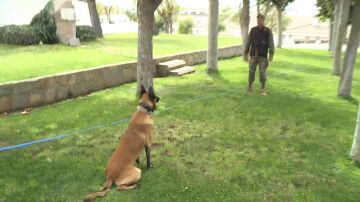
{"x": 2, "y": 31}
{"x": 85, "y": 33}
{"x": 132, "y": 15}
{"x": 221, "y": 27}
{"x": 185, "y": 26}
{"x": 18, "y": 35}
{"x": 160, "y": 23}
{"x": 44, "y": 24}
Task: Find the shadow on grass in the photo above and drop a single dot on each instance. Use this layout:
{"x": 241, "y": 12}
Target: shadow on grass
{"x": 234, "y": 146}
{"x": 309, "y": 69}
{"x": 307, "y": 54}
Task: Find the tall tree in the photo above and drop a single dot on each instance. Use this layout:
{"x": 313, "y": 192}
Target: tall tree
{"x": 167, "y": 10}
{"x": 326, "y": 13}
{"x": 93, "y": 7}
{"x": 280, "y": 8}
{"x": 345, "y": 84}
{"x": 355, "y": 149}
{"x": 271, "y": 19}
{"x": 94, "y": 16}
{"x": 132, "y": 15}
{"x": 145, "y": 63}
{"x": 340, "y": 34}
{"x": 336, "y": 18}
{"x": 110, "y": 9}
{"x": 244, "y": 22}
{"x": 212, "y": 52}
{"x": 331, "y": 25}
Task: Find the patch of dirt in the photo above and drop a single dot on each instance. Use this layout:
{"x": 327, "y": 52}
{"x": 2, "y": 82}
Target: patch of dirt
{"x": 3, "y": 143}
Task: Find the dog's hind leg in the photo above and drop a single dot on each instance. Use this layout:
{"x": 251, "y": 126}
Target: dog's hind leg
{"x": 147, "y": 150}
{"x": 129, "y": 179}
{"x": 148, "y": 157}
{"x": 126, "y": 187}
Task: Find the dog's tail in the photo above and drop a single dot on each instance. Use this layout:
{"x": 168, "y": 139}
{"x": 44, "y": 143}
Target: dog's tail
{"x": 104, "y": 190}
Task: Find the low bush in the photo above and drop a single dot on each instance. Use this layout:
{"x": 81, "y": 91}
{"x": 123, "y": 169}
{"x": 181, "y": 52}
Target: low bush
{"x": 185, "y": 26}
{"x": 85, "y": 33}
{"x": 18, "y": 35}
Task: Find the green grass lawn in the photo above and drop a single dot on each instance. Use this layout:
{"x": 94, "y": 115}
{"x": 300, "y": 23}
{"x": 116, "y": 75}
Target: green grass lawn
{"x": 291, "y": 145}
{"x": 19, "y": 62}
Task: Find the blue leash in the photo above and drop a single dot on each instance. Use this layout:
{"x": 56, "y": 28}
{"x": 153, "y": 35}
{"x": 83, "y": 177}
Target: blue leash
{"x": 27, "y": 144}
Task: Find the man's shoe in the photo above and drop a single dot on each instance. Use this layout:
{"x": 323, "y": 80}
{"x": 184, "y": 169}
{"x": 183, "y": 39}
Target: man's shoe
{"x": 250, "y": 88}
{"x": 263, "y": 91}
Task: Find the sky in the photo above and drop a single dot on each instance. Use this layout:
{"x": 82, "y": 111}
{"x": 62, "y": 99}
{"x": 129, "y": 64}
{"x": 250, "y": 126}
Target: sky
{"x": 21, "y": 11}
{"x": 297, "y": 8}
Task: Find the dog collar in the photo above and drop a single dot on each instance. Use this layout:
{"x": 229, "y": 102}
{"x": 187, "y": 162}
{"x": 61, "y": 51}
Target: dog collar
{"x": 142, "y": 109}
{"x": 145, "y": 108}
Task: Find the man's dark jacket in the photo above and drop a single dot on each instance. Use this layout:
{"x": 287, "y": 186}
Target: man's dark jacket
{"x": 260, "y": 41}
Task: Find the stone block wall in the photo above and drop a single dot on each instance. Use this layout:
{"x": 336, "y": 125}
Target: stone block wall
{"x": 39, "y": 91}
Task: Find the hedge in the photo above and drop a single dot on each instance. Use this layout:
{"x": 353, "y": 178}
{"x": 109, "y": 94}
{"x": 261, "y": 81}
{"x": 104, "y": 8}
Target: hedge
{"x": 18, "y": 35}
{"x": 44, "y": 24}
{"x": 85, "y": 33}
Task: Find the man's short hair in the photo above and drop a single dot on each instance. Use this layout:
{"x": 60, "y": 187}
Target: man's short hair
{"x": 261, "y": 16}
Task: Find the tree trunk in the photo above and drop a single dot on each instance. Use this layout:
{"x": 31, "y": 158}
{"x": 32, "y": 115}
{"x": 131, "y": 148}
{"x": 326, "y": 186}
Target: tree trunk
{"x": 331, "y": 22}
{"x": 145, "y": 63}
{"x": 279, "y": 27}
{"x": 167, "y": 26}
{"x": 212, "y": 52}
{"x": 257, "y": 7}
{"x": 107, "y": 13}
{"x": 244, "y": 22}
{"x": 109, "y": 16}
{"x": 345, "y": 84}
{"x": 171, "y": 26}
{"x": 341, "y": 34}
{"x": 355, "y": 149}
{"x": 94, "y": 16}
{"x": 336, "y": 22}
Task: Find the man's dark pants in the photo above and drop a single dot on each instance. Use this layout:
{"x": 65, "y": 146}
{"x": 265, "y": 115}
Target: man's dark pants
{"x": 263, "y": 64}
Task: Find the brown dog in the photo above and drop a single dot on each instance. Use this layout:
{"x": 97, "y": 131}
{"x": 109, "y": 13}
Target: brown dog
{"x": 120, "y": 169}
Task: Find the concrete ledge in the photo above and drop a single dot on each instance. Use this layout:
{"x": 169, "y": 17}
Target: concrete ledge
{"x": 50, "y": 89}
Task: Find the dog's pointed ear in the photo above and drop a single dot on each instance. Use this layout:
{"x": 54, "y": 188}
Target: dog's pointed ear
{"x": 151, "y": 93}
{"x": 142, "y": 90}
{"x": 151, "y": 90}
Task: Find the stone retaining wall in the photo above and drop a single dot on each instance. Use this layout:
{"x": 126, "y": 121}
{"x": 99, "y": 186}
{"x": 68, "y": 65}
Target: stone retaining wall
{"x": 50, "y": 89}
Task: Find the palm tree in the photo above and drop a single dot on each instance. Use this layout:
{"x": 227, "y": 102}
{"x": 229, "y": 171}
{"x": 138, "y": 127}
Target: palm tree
{"x": 167, "y": 10}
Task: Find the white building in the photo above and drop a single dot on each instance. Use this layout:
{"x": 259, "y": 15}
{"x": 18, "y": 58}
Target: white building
{"x": 21, "y": 12}
{"x": 200, "y": 18}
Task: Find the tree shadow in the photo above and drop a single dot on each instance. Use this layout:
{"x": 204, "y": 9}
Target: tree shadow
{"x": 351, "y": 100}
{"x": 86, "y": 155}
{"x": 307, "y": 54}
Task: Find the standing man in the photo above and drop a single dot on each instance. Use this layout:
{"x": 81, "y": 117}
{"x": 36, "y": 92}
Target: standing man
{"x": 260, "y": 43}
